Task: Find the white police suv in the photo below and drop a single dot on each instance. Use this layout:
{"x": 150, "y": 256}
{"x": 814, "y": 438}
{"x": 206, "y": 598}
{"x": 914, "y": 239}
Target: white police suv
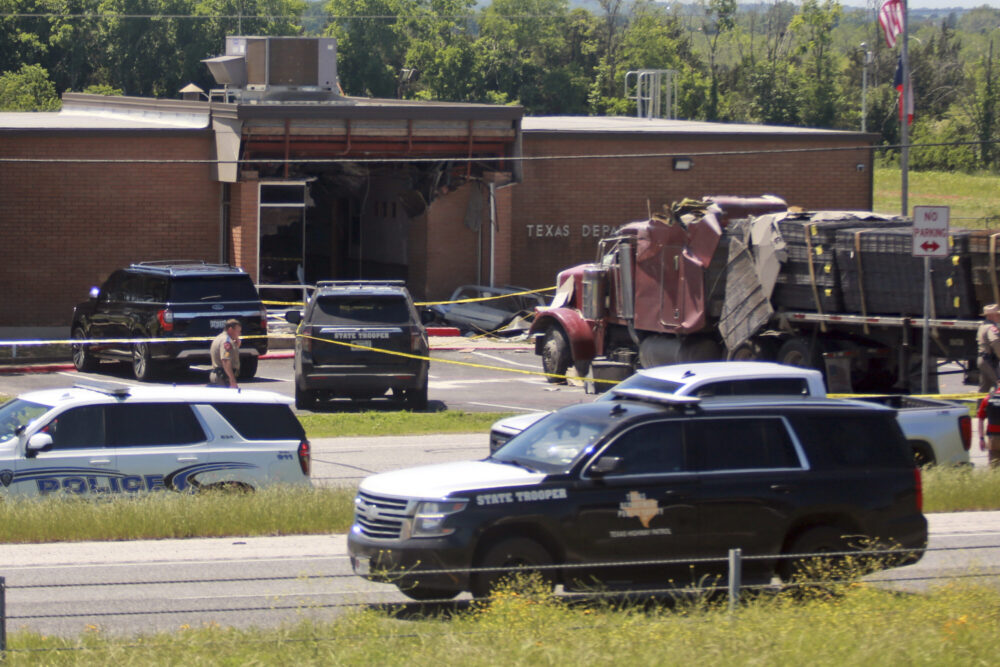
{"x": 105, "y": 439}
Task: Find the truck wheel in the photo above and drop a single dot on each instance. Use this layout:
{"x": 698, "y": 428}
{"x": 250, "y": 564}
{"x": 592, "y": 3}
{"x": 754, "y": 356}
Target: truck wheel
{"x": 923, "y": 455}
{"x": 555, "y": 355}
{"x": 822, "y": 539}
{"x": 798, "y": 352}
{"x": 755, "y": 350}
{"x": 514, "y": 555}
{"x": 422, "y": 593}
{"x": 82, "y": 359}
{"x": 248, "y": 368}
{"x": 143, "y": 366}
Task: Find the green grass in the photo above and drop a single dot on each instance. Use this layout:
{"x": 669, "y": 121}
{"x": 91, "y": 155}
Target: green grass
{"x": 974, "y": 198}
{"x": 951, "y": 489}
{"x": 344, "y": 424}
{"x": 860, "y": 625}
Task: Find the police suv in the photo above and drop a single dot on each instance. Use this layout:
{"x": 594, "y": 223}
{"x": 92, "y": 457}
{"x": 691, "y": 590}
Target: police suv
{"x": 105, "y": 439}
{"x": 647, "y": 477}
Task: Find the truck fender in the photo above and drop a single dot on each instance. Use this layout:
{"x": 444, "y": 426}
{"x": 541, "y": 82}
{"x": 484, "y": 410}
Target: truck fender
{"x": 577, "y": 329}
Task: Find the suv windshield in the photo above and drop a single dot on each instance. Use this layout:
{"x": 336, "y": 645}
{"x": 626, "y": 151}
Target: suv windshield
{"x": 367, "y": 309}
{"x": 552, "y": 444}
{"x": 212, "y": 288}
{"x": 17, "y": 413}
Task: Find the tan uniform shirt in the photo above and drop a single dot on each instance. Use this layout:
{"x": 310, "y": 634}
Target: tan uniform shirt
{"x": 223, "y": 348}
{"x": 988, "y": 339}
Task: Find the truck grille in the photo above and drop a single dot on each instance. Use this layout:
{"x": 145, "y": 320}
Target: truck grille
{"x": 378, "y": 517}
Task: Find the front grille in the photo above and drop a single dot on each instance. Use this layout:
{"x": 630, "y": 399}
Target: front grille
{"x": 379, "y": 517}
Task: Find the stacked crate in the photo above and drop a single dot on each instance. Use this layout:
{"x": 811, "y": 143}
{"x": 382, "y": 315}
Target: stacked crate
{"x": 880, "y": 276}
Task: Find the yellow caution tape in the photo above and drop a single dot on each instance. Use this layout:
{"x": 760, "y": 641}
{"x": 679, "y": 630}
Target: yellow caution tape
{"x": 433, "y": 303}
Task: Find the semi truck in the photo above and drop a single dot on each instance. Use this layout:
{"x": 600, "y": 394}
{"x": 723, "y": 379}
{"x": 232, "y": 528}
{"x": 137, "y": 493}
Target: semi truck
{"x": 725, "y": 278}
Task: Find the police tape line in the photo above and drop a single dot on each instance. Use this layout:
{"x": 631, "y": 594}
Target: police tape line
{"x": 434, "y": 303}
{"x": 131, "y": 341}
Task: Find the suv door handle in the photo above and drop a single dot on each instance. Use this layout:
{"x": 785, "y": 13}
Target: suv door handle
{"x": 184, "y": 459}
{"x": 100, "y": 462}
{"x": 782, "y": 488}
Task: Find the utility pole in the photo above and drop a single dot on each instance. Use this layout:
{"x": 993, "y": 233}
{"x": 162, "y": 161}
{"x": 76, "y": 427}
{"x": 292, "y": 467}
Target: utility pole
{"x": 864, "y": 86}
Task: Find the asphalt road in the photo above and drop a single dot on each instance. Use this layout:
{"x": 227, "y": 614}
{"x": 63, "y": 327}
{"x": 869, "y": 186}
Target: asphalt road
{"x": 139, "y": 587}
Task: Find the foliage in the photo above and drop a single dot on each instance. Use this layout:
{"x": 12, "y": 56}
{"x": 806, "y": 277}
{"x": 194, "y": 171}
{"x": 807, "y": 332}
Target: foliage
{"x": 370, "y": 423}
{"x": 28, "y": 89}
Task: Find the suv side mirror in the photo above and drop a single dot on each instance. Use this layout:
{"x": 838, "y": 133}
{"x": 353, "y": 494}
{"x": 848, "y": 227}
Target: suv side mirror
{"x": 606, "y": 464}
{"x": 293, "y": 316}
{"x": 95, "y": 292}
{"x": 40, "y": 442}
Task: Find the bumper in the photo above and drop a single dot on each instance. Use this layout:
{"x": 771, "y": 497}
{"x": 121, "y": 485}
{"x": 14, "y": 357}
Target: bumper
{"x": 365, "y": 379}
{"x": 409, "y": 563}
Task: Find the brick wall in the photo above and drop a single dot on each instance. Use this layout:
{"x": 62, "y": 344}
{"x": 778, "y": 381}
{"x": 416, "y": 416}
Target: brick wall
{"x": 563, "y": 206}
{"x": 66, "y": 226}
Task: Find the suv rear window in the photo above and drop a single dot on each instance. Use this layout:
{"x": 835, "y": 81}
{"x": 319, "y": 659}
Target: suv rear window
{"x": 262, "y": 421}
{"x": 831, "y": 441}
{"x": 367, "y": 309}
{"x": 213, "y": 288}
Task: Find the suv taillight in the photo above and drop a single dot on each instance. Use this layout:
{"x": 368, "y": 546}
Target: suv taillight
{"x": 263, "y": 319}
{"x": 166, "y": 319}
{"x": 304, "y": 458}
{"x": 416, "y": 340}
{"x": 965, "y": 429}
{"x": 918, "y": 482}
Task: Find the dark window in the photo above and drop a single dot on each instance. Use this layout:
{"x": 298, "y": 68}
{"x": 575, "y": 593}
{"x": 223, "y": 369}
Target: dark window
{"x": 650, "y": 449}
{"x": 742, "y": 444}
{"x": 212, "y": 288}
{"x": 144, "y": 424}
{"x": 262, "y": 421}
{"x": 756, "y": 387}
{"x": 852, "y": 440}
{"x": 368, "y": 309}
{"x": 112, "y": 288}
{"x": 78, "y": 428}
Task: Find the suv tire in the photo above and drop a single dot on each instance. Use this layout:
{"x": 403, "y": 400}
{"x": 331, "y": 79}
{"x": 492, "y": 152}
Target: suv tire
{"x": 305, "y": 399}
{"x": 821, "y": 539}
{"x": 416, "y": 398}
{"x": 248, "y": 368}
{"x": 143, "y": 366}
{"x": 422, "y": 593}
{"x": 514, "y": 554}
{"x": 82, "y": 359}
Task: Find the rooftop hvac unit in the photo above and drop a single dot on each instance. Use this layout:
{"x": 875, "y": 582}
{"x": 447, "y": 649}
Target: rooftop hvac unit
{"x": 283, "y": 67}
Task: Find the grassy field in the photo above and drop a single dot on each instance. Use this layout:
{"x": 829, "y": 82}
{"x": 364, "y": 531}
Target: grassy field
{"x": 974, "y": 198}
{"x": 857, "y": 624}
{"x": 344, "y": 424}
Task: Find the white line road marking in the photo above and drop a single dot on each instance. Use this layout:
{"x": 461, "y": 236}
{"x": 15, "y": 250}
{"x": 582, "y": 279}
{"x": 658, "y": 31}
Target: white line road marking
{"x": 505, "y": 361}
{"x": 508, "y": 407}
{"x": 101, "y": 378}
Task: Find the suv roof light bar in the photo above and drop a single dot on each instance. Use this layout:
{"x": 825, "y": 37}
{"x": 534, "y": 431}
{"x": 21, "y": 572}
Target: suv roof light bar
{"x": 116, "y": 390}
{"x": 650, "y": 396}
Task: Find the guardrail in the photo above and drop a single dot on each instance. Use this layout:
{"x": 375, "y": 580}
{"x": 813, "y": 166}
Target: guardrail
{"x": 866, "y": 561}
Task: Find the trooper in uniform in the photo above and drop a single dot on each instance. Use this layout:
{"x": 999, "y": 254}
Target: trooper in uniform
{"x": 225, "y": 353}
{"x": 989, "y": 409}
{"x": 988, "y": 341}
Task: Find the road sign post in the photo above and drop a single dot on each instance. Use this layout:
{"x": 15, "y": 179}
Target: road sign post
{"x": 930, "y": 239}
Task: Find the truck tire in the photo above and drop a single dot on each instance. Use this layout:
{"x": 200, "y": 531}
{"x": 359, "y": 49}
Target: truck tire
{"x": 760, "y": 349}
{"x": 82, "y": 359}
{"x": 248, "y": 368}
{"x": 517, "y": 554}
{"x": 556, "y": 356}
{"x": 797, "y": 351}
{"x": 818, "y": 540}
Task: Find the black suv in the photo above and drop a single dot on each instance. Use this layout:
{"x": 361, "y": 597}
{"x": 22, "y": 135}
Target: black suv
{"x": 648, "y": 477}
{"x": 186, "y": 302}
{"x": 346, "y": 341}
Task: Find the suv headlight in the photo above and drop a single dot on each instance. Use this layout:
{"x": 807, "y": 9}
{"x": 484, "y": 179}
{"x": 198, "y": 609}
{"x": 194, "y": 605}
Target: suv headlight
{"x": 428, "y": 521}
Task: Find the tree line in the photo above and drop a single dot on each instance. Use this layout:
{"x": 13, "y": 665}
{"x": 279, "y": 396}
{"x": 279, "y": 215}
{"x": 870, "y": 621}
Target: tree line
{"x": 774, "y": 63}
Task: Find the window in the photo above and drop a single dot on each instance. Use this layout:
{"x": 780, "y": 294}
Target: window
{"x": 262, "y": 421}
{"x": 17, "y": 413}
{"x": 145, "y": 424}
{"x": 213, "y": 288}
{"x": 650, "y": 449}
{"x": 852, "y": 440}
{"x": 756, "y": 387}
{"x": 112, "y": 289}
{"x": 368, "y": 309}
{"x": 78, "y": 428}
{"x": 737, "y": 443}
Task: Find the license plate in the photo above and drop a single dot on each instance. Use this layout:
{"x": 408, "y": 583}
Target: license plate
{"x": 217, "y": 324}
{"x": 361, "y": 343}
{"x": 361, "y": 566}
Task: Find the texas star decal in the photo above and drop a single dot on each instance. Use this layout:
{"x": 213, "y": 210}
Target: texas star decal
{"x": 639, "y": 507}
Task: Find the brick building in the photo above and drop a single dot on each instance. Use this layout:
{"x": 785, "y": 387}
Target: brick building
{"x": 437, "y": 194}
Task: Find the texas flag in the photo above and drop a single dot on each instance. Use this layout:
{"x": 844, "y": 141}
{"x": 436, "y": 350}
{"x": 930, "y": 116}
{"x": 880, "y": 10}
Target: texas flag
{"x": 905, "y": 93}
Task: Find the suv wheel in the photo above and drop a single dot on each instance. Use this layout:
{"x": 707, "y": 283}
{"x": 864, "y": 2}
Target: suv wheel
{"x": 248, "y": 368}
{"x": 416, "y": 398}
{"x": 511, "y": 556}
{"x": 305, "y": 399}
{"x": 422, "y": 593}
{"x": 819, "y": 540}
{"x": 143, "y": 365}
{"x": 82, "y": 359}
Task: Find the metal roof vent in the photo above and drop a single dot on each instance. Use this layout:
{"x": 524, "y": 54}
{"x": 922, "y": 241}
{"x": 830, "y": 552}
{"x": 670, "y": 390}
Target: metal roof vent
{"x": 277, "y": 68}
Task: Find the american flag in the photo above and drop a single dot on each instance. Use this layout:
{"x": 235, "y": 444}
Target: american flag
{"x": 890, "y": 17}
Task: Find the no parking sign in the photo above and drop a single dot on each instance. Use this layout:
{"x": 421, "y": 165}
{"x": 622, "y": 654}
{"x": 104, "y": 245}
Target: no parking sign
{"x": 930, "y": 231}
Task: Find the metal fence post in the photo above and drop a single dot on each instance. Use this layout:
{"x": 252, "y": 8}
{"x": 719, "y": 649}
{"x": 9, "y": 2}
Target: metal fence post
{"x": 735, "y": 576}
{"x": 3, "y": 618}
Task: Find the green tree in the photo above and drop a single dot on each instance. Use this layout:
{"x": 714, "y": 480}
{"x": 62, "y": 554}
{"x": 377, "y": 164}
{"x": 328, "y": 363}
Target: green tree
{"x": 719, "y": 21}
{"x": 818, "y": 66}
{"x": 28, "y": 89}
{"x": 371, "y": 46}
